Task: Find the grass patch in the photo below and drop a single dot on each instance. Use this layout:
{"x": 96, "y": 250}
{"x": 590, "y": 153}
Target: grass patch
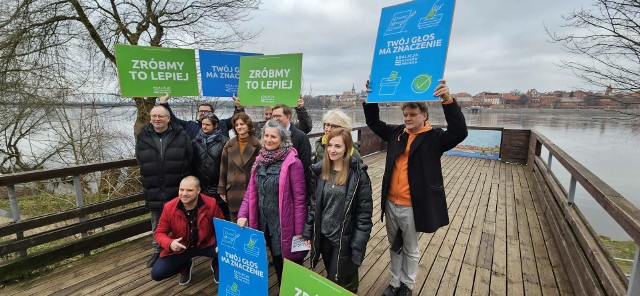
{"x": 620, "y": 249}
{"x": 46, "y": 203}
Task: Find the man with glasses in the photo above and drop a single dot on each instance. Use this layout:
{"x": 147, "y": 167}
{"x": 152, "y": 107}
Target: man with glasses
{"x": 282, "y": 114}
{"x": 334, "y": 118}
{"x": 164, "y": 153}
{"x": 304, "y": 123}
{"x": 193, "y": 127}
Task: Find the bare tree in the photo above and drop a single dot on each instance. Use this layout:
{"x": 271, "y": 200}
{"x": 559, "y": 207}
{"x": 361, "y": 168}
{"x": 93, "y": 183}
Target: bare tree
{"x": 608, "y": 35}
{"x": 66, "y": 27}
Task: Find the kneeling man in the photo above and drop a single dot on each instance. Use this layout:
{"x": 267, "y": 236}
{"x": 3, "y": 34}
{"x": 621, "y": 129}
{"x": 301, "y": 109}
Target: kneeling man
{"x": 185, "y": 230}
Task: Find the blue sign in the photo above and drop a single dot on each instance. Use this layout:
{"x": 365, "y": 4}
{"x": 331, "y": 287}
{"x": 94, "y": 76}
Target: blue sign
{"x": 242, "y": 259}
{"x": 411, "y": 51}
{"x": 220, "y": 71}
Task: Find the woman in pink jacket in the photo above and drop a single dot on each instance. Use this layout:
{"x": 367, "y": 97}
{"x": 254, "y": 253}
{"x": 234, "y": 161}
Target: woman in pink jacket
{"x": 275, "y": 201}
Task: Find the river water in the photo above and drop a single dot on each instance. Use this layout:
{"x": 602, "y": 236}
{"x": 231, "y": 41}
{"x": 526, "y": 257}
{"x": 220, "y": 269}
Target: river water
{"x": 605, "y": 142}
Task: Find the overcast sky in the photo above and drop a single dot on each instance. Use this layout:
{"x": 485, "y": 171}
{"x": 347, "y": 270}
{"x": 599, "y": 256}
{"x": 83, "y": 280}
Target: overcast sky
{"x": 496, "y": 45}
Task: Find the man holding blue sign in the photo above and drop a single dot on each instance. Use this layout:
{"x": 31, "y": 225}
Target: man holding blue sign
{"x": 185, "y": 230}
{"x": 413, "y": 197}
{"x": 410, "y": 54}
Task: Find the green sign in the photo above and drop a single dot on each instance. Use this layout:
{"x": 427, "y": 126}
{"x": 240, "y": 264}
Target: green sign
{"x": 269, "y": 80}
{"x": 297, "y": 280}
{"x": 146, "y": 71}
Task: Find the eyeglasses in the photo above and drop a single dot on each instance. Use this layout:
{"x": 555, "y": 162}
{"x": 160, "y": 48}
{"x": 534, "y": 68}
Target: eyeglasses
{"x": 204, "y": 111}
{"x": 331, "y": 125}
{"x": 158, "y": 116}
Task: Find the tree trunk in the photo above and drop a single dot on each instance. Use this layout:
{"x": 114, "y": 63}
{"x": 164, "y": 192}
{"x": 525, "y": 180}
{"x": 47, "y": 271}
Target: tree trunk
{"x": 143, "y": 106}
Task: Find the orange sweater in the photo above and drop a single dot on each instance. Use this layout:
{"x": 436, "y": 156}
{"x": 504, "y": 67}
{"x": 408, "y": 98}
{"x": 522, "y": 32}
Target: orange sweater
{"x": 399, "y": 190}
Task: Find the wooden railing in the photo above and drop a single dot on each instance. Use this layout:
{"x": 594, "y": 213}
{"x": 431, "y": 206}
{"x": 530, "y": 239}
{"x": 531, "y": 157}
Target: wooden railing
{"x": 591, "y": 269}
{"x": 58, "y": 236}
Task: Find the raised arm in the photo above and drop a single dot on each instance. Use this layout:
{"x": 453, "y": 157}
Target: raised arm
{"x": 379, "y": 127}
{"x": 164, "y": 101}
{"x": 456, "y": 124}
{"x": 305, "y": 124}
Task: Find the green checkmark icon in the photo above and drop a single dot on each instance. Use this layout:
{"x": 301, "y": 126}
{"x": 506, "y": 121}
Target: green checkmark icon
{"x": 421, "y": 83}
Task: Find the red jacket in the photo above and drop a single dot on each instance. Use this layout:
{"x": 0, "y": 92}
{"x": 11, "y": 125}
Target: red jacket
{"x": 173, "y": 224}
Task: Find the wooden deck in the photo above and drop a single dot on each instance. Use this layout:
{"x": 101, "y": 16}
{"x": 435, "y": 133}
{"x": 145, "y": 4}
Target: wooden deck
{"x": 498, "y": 242}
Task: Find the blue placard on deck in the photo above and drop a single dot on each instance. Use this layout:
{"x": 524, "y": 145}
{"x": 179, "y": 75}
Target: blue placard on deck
{"x": 220, "y": 71}
{"x": 411, "y": 51}
{"x": 479, "y": 144}
{"x": 243, "y": 260}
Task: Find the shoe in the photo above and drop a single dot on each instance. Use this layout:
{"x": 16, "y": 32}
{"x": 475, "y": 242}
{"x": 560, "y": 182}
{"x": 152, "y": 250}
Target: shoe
{"x": 153, "y": 259}
{"x": 403, "y": 290}
{"x": 215, "y": 269}
{"x": 390, "y": 291}
{"x": 185, "y": 274}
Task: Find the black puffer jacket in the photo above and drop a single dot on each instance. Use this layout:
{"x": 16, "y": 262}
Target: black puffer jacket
{"x": 206, "y": 162}
{"x": 163, "y": 163}
{"x": 356, "y": 222}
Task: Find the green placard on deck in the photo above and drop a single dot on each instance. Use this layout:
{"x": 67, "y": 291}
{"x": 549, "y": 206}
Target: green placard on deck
{"x": 297, "y": 280}
{"x": 146, "y": 71}
{"x": 270, "y": 79}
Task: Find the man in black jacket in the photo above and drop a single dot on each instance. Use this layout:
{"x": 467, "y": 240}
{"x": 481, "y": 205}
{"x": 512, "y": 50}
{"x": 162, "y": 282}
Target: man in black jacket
{"x": 164, "y": 153}
{"x": 413, "y": 197}
{"x": 192, "y": 127}
{"x": 282, "y": 114}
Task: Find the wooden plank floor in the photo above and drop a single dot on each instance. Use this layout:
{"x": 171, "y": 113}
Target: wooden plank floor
{"x": 498, "y": 243}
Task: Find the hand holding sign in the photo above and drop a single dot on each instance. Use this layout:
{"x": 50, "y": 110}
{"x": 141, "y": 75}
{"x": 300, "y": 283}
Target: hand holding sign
{"x": 164, "y": 98}
{"x": 242, "y": 222}
{"x": 299, "y": 244}
{"x": 442, "y": 91}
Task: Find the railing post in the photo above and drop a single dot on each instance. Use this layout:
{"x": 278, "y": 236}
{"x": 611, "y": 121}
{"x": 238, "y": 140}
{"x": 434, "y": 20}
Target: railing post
{"x": 549, "y": 161}
{"x": 15, "y": 213}
{"x": 572, "y": 190}
{"x": 634, "y": 279}
{"x": 79, "y": 199}
{"x": 538, "y": 151}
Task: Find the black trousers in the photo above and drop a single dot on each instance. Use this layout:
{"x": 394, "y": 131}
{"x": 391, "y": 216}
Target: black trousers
{"x": 224, "y": 207}
{"x": 278, "y": 262}
{"x": 170, "y": 265}
{"x": 348, "y": 275}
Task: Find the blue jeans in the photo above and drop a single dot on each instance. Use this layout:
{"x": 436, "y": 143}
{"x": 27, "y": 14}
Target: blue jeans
{"x": 169, "y": 266}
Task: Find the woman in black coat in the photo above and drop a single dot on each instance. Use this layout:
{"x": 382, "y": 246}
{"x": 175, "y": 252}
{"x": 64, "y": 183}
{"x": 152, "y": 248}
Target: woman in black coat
{"x": 207, "y": 150}
{"x": 339, "y": 221}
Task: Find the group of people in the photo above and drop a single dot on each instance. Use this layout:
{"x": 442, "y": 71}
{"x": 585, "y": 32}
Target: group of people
{"x": 268, "y": 178}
